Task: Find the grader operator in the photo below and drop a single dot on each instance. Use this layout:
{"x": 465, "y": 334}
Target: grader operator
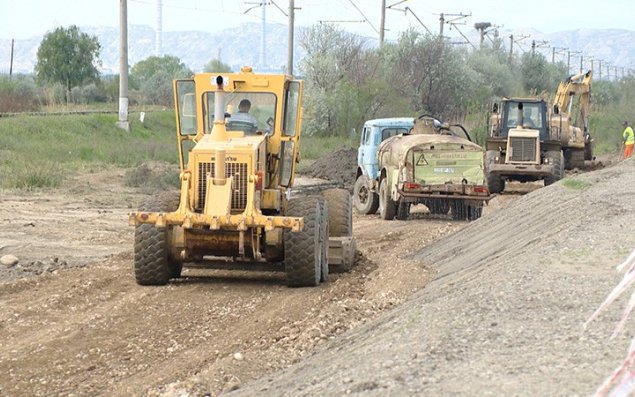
{"x": 233, "y": 209}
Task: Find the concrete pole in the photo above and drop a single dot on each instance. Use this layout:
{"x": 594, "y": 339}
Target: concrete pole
{"x": 11, "y": 62}
{"x": 290, "y": 44}
{"x": 441, "y": 23}
{"x": 581, "y": 63}
{"x": 263, "y": 39}
{"x": 382, "y": 23}
{"x": 553, "y": 55}
{"x": 123, "y": 66}
{"x": 511, "y": 47}
{"x": 158, "y": 39}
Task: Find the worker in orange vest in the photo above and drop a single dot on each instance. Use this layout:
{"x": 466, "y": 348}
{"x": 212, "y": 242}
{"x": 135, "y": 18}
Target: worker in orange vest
{"x": 629, "y": 140}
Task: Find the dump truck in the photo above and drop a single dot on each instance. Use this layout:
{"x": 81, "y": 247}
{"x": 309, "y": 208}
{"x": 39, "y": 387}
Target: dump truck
{"x": 234, "y": 209}
{"x": 437, "y": 165}
{"x": 529, "y": 140}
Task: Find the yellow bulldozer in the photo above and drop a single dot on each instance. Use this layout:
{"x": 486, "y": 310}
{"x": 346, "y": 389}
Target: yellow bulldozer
{"x": 238, "y": 137}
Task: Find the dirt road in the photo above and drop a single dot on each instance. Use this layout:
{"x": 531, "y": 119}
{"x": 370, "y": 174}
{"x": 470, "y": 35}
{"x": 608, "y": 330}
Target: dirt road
{"x": 73, "y": 321}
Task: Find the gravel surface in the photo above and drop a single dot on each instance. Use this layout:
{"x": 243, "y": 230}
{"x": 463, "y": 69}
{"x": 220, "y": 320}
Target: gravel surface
{"x": 504, "y": 314}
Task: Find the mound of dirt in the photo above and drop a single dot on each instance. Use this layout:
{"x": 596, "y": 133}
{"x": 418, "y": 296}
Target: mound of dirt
{"x": 504, "y": 315}
{"x": 339, "y": 166}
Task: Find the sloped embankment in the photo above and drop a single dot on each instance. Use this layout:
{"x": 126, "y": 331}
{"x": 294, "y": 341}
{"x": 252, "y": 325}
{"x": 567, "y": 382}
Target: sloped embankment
{"x": 504, "y": 315}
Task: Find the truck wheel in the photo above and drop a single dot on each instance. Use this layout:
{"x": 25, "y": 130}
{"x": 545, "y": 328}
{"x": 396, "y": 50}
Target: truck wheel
{"x": 302, "y": 250}
{"x": 495, "y": 182}
{"x": 387, "y": 206}
{"x": 365, "y": 200}
{"x": 557, "y": 160}
{"x": 403, "y": 210}
{"x": 153, "y": 264}
{"x": 340, "y": 212}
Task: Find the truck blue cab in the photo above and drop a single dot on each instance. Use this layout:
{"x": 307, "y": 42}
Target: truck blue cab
{"x": 365, "y": 190}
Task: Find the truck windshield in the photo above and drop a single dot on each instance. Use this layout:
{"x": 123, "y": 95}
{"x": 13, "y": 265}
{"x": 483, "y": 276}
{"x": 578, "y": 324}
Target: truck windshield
{"x": 244, "y": 111}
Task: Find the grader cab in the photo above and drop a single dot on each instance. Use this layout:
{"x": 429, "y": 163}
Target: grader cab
{"x": 238, "y": 137}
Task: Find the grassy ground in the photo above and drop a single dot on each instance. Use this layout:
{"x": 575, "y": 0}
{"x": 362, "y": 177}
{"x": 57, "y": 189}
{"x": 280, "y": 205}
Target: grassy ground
{"x": 40, "y": 151}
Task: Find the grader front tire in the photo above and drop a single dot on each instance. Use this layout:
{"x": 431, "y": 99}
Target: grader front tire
{"x": 302, "y": 250}
{"x": 153, "y": 264}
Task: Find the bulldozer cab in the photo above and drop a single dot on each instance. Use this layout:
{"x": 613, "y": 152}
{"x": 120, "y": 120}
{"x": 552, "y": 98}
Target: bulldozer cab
{"x": 524, "y": 114}
{"x": 273, "y": 111}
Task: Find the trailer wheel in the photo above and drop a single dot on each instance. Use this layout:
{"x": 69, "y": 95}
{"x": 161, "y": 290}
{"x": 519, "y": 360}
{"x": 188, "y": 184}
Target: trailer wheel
{"x": 387, "y": 206}
{"x": 340, "y": 212}
{"x": 153, "y": 264}
{"x": 365, "y": 200}
{"x": 557, "y": 160}
{"x": 302, "y": 250}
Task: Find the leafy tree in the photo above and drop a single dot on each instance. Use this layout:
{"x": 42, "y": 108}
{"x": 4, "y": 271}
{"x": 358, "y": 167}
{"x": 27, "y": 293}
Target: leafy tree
{"x": 216, "y": 65}
{"x": 153, "y": 77}
{"x": 68, "y": 57}
{"x": 433, "y": 75}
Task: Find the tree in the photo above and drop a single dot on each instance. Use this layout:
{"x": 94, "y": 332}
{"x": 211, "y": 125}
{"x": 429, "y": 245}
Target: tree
{"x": 153, "y": 77}
{"x": 216, "y": 65}
{"x": 68, "y": 57}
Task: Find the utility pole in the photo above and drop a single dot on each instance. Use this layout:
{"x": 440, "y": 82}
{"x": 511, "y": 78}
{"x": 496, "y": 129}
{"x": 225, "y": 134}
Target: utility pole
{"x": 11, "y": 63}
{"x": 482, "y": 27}
{"x": 511, "y": 47}
{"x": 600, "y": 69}
{"x": 263, "y": 42}
{"x": 382, "y": 23}
{"x": 123, "y": 66}
{"x": 290, "y": 43}
{"x": 581, "y": 64}
{"x": 441, "y": 22}
{"x": 569, "y": 53}
{"x": 158, "y": 40}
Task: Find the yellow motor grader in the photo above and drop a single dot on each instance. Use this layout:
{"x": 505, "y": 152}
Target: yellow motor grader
{"x": 238, "y": 137}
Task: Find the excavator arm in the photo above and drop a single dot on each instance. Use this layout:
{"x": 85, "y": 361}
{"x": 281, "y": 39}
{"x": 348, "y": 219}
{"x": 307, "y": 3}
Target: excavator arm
{"x": 577, "y": 85}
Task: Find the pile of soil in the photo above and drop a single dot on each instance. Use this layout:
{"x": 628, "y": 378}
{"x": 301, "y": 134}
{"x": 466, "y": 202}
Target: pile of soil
{"x": 339, "y": 166}
{"x": 504, "y": 315}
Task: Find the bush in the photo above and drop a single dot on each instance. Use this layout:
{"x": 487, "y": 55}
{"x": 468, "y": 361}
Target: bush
{"x": 18, "y": 94}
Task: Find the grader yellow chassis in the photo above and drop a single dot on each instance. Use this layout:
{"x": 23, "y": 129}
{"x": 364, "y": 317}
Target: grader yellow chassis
{"x": 233, "y": 208}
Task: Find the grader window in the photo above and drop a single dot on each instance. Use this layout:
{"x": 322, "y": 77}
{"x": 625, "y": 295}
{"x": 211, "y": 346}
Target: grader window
{"x": 292, "y": 105}
{"x": 186, "y": 106}
{"x": 246, "y": 111}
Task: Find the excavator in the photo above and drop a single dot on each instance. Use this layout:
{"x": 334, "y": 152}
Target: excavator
{"x": 529, "y": 140}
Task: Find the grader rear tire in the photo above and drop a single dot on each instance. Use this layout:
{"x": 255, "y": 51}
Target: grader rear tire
{"x": 340, "y": 208}
{"x": 324, "y": 239}
{"x": 153, "y": 263}
{"x": 302, "y": 250}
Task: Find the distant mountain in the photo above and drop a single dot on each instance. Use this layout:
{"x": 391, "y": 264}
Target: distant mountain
{"x": 241, "y": 46}
{"x": 237, "y": 47}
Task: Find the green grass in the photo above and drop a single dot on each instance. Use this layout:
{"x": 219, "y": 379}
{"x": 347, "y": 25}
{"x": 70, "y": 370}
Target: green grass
{"x": 41, "y": 151}
{"x": 313, "y": 147}
{"x": 575, "y": 184}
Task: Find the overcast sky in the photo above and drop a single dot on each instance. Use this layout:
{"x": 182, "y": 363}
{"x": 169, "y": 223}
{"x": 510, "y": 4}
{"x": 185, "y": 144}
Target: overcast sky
{"x": 26, "y": 18}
